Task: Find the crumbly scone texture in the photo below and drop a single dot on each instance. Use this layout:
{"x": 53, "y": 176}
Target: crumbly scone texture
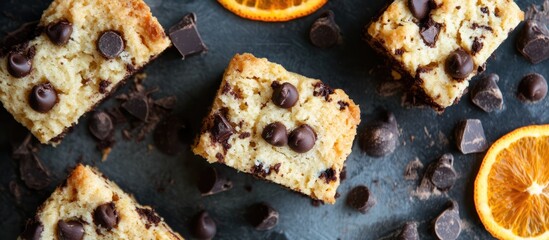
{"x": 85, "y": 190}
{"x": 244, "y": 98}
{"x": 76, "y": 69}
{"x": 465, "y": 23}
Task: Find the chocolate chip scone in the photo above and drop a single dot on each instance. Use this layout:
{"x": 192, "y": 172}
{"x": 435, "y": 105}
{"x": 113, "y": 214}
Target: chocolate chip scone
{"x": 440, "y": 44}
{"x": 89, "y": 206}
{"x": 82, "y": 51}
{"x": 280, "y": 126}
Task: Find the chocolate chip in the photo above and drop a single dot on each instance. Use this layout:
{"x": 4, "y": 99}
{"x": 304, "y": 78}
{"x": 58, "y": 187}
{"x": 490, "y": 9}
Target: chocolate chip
{"x": 429, "y": 32}
{"x": 110, "y": 44}
{"x": 325, "y": 32}
{"x": 477, "y": 46}
{"x": 285, "y": 95}
{"x": 101, "y": 125}
{"x": 459, "y": 64}
{"x": 408, "y": 232}
{"x": 532, "y": 88}
{"x": 380, "y": 138}
{"x": 59, "y": 32}
{"x": 275, "y": 134}
{"x": 442, "y": 173}
{"x": 211, "y": 182}
{"x": 533, "y": 41}
{"x": 262, "y": 216}
{"x": 103, "y": 85}
{"x": 43, "y": 97}
{"x": 149, "y": 215}
{"x": 166, "y": 136}
{"x": 185, "y": 36}
{"x": 106, "y": 216}
{"x": 33, "y": 172}
{"x": 360, "y": 199}
{"x": 203, "y": 226}
{"x": 70, "y": 230}
{"x": 33, "y": 230}
{"x": 470, "y": 136}
{"x": 420, "y": 8}
{"x": 329, "y": 175}
{"x": 322, "y": 90}
{"x": 221, "y": 129}
{"x": 486, "y": 93}
{"x": 138, "y": 107}
{"x": 19, "y": 65}
{"x": 302, "y": 139}
{"x": 447, "y": 226}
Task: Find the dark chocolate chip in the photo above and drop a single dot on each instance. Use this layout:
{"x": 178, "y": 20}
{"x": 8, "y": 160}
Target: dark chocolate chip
{"x": 380, "y": 138}
{"x": 149, "y": 215}
{"x": 420, "y": 8}
{"x": 459, "y": 64}
{"x": 325, "y": 32}
{"x": 302, "y": 139}
{"x": 59, "y": 32}
{"x": 70, "y": 230}
{"x": 285, "y": 95}
{"x": 532, "y": 88}
{"x": 19, "y": 65}
{"x": 329, "y": 175}
{"x": 262, "y": 216}
{"x": 138, "y": 107}
{"x": 33, "y": 230}
{"x": 33, "y": 172}
{"x": 43, "y": 97}
{"x": 442, "y": 173}
{"x": 447, "y": 226}
{"x": 322, "y": 90}
{"x": 106, "y": 216}
{"x": 110, "y": 44}
{"x": 408, "y": 232}
{"x": 360, "y": 199}
{"x": 166, "y": 136}
{"x": 222, "y": 128}
{"x": 185, "y": 36}
{"x": 211, "y": 182}
{"x": 485, "y": 10}
{"x": 533, "y": 41}
{"x": 203, "y": 226}
{"x": 486, "y": 93}
{"x": 101, "y": 125}
{"x": 275, "y": 134}
{"x": 477, "y": 46}
{"x": 429, "y": 32}
{"x": 470, "y": 136}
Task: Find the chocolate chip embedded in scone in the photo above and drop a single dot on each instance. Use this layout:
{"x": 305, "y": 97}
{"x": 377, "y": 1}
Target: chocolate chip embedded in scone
{"x": 110, "y": 44}
{"x": 70, "y": 230}
{"x": 60, "y": 32}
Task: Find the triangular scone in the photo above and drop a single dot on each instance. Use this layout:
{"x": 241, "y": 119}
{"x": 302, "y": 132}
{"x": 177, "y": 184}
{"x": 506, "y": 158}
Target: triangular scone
{"x": 244, "y": 102}
{"x": 90, "y": 202}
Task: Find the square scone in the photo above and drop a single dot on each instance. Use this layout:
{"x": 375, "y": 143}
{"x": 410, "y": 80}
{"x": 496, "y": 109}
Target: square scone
{"x": 280, "y": 126}
{"x": 81, "y": 51}
{"x": 439, "y": 45}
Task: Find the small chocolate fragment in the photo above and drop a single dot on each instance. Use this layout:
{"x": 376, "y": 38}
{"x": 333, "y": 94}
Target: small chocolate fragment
{"x": 302, "y": 139}
{"x": 285, "y": 95}
{"x": 533, "y": 41}
{"x": 532, "y": 88}
{"x": 33, "y": 230}
{"x": 166, "y": 136}
{"x": 429, "y": 32}
{"x": 329, "y": 175}
{"x": 137, "y": 107}
{"x": 275, "y": 134}
{"x": 211, "y": 182}
{"x": 447, "y": 226}
{"x": 420, "y": 8}
{"x": 442, "y": 173}
{"x": 325, "y": 32}
{"x": 101, "y": 125}
{"x": 380, "y": 138}
{"x": 70, "y": 230}
{"x": 110, "y": 44}
{"x": 222, "y": 129}
{"x": 262, "y": 216}
{"x": 185, "y": 36}
{"x": 59, "y": 33}
{"x": 19, "y": 65}
{"x": 470, "y": 136}
{"x": 149, "y": 215}
{"x": 459, "y": 64}
{"x": 360, "y": 199}
{"x": 486, "y": 93}
{"x": 203, "y": 226}
{"x": 106, "y": 216}
{"x": 408, "y": 232}
{"x": 33, "y": 172}
{"x": 43, "y": 97}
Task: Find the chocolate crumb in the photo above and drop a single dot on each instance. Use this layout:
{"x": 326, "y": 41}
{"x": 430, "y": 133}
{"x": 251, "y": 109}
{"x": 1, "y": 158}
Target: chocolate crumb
{"x": 149, "y": 215}
{"x": 322, "y": 90}
{"x": 244, "y": 135}
{"x": 329, "y": 175}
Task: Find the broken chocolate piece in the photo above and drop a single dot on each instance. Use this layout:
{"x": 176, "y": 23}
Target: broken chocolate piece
{"x": 70, "y": 230}
{"x": 262, "y": 216}
{"x": 222, "y": 128}
{"x": 470, "y": 136}
{"x": 420, "y": 8}
{"x": 137, "y": 107}
{"x": 101, "y": 125}
{"x": 325, "y": 32}
{"x": 380, "y": 138}
{"x": 185, "y": 36}
{"x": 533, "y": 41}
{"x": 442, "y": 173}
{"x": 429, "y": 32}
{"x": 211, "y": 182}
{"x": 166, "y": 136}
{"x": 447, "y": 226}
{"x": 360, "y": 199}
{"x": 486, "y": 93}
{"x": 203, "y": 226}
{"x": 532, "y": 88}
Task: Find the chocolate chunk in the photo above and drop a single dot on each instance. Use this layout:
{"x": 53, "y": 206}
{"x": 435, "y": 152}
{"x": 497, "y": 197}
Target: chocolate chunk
{"x": 486, "y": 93}
{"x": 302, "y": 139}
{"x": 429, "y": 32}
{"x": 19, "y": 65}
{"x": 322, "y": 90}
{"x": 59, "y": 33}
{"x": 408, "y": 232}
{"x": 166, "y": 136}
{"x": 101, "y": 125}
{"x": 211, "y": 182}
{"x": 203, "y": 226}
{"x": 470, "y": 136}
{"x": 33, "y": 172}
{"x": 262, "y": 216}
{"x": 222, "y": 129}
{"x": 447, "y": 226}
{"x": 533, "y": 41}
{"x": 325, "y": 32}
{"x": 442, "y": 173}
{"x": 185, "y": 36}
{"x": 477, "y": 46}
{"x": 329, "y": 175}
{"x": 33, "y": 230}
{"x": 149, "y": 215}
{"x": 110, "y": 44}
{"x": 532, "y": 88}
{"x": 43, "y": 97}
{"x": 459, "y": 64}
{"x": 284, "y": 95}
{"x": 106, "y": 216}
{"x": 138, "y": 107}
{"x": 70, "y": 230}
{"x": 380, "y": 138}
{"x": 420, "y": 8}
{"x": 275, "y": 134}
{"x": 360, "y": 199}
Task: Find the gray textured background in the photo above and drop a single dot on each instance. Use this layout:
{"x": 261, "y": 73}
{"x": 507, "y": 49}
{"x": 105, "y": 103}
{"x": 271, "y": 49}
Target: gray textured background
{"x": 346, "y": 66}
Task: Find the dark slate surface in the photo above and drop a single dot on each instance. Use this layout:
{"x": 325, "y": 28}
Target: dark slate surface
{"x": 351, "y": 66}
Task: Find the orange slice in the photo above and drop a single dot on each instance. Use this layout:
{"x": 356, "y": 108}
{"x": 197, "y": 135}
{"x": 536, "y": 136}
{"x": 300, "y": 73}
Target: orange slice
{"x": 272, "y": 10}
{"x": 511, "y": 189}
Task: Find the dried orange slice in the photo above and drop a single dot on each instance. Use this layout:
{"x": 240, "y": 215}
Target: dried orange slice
{"x": 512, "y": 185}
{"x": 272, "y": 10}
